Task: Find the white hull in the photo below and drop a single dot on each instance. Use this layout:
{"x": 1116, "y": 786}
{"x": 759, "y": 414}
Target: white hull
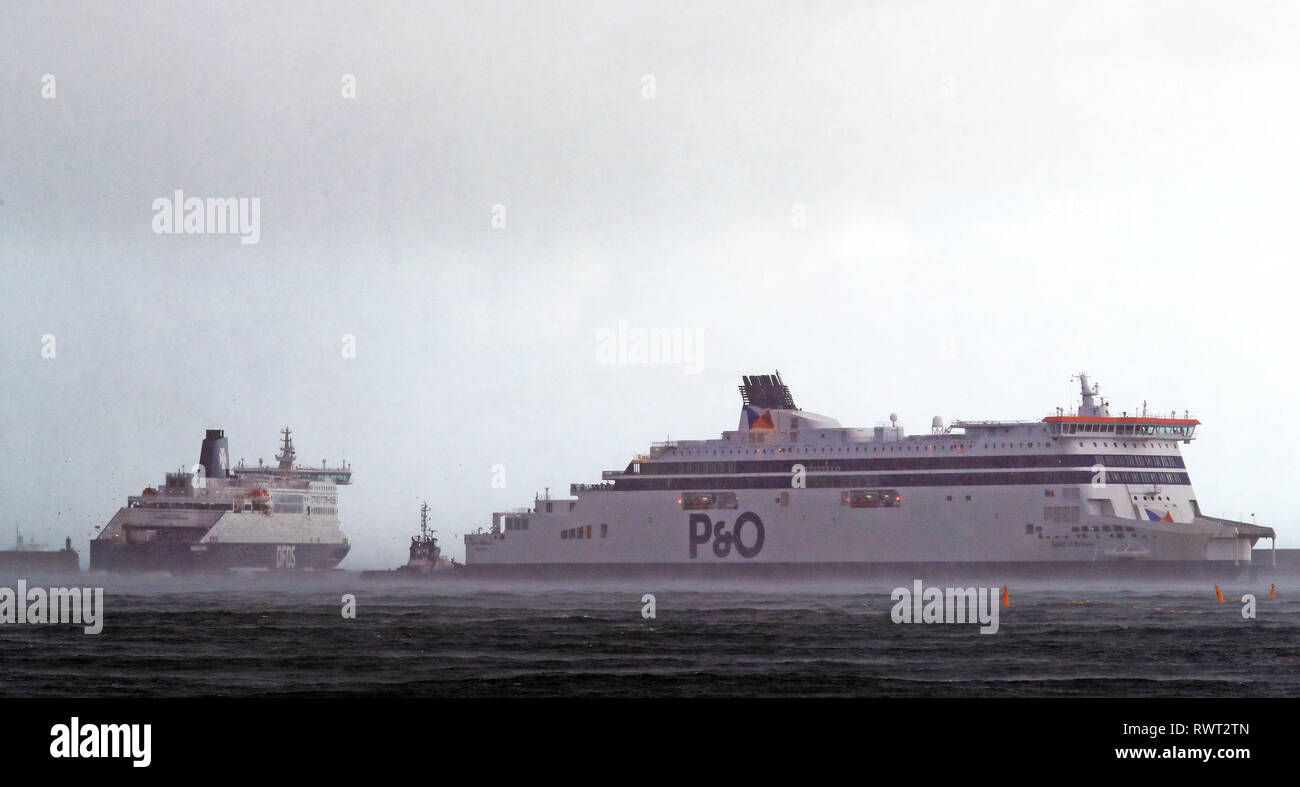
{"x": 651, "y": 527}
{"x": 794, "y": 488}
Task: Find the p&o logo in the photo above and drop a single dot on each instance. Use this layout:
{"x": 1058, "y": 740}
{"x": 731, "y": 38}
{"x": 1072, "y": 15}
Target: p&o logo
{"x": 745, "y": 536}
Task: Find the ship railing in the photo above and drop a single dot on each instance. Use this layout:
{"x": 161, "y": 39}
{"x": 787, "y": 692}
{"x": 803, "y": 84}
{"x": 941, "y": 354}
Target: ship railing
{"x": 1156, "y": 413}
{"x": 601, "y": 487}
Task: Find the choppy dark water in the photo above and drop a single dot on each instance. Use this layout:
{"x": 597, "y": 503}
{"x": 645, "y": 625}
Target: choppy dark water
{"x": 260, "y": 635}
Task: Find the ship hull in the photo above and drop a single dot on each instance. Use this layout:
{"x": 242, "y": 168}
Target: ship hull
{"x": 189, "y": 557}
{"x": 996, "y": 573}
{"x": 184, "y": 540}
{"x": 770, "y": 533}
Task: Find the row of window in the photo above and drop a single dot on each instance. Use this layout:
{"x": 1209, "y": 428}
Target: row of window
{"x": 1117, "y": 444}
{"x": 911, "y": 463}
{"x": 1060, "y": 513}
{"x": 224, "y": 504}
{"x": 893, "y": 446}
{"x": 1176, "y": 430}
{"x": 1139, "y": 460}
{"x": 1055, "y": 478}
{"x": 1150, "y": 478}
{"x": 1081, "y": 531}
{"x": 886, "y": 439}
{"x": 583, "y": 531}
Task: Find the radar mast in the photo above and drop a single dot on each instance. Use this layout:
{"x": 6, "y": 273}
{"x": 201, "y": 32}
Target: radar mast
{"x": 286, "y": 454}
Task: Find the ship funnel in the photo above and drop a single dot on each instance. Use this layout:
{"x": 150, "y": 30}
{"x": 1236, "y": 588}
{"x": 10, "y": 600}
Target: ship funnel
{"x": 214, "y": 455}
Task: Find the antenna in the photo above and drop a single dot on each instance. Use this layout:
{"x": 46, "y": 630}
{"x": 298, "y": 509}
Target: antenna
{"x": 424, "y": 519}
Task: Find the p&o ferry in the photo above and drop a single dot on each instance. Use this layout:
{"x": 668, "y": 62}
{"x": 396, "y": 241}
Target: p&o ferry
{"x": 792, "y": 491}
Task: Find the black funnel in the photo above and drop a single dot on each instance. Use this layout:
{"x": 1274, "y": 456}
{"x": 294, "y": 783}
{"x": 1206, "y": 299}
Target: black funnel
{"x": 214, "y": 455}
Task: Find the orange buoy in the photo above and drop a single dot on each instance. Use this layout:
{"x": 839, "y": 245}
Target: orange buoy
{"x": 1218, "y": 593}
{"x": 1006, "y": 596}
{"x": 1272, "y": 591}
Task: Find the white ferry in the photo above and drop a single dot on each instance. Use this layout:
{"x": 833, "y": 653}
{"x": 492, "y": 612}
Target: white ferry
{"x": 791, "y": 490}
{"x": 217, "y": 518}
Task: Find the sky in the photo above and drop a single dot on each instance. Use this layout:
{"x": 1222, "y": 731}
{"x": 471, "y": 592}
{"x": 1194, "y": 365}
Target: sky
{"x": 924, "y": 208}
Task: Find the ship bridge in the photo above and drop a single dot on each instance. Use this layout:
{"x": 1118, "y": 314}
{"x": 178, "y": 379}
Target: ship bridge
{"x": 1132, "y": 427}
{"x": 1094, "y": 417}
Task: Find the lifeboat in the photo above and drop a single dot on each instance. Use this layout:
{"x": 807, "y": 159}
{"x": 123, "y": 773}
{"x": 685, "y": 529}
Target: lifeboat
{"x": 259, "y": 500}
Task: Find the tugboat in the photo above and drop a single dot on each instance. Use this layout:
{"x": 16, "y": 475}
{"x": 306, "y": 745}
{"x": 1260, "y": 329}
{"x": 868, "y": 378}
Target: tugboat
{"x": 424, "y": 547}
{"x": 425, "y": 555}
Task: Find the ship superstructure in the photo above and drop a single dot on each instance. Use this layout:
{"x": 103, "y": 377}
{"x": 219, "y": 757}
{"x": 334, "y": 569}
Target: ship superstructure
{"x": 424, "y": 552}
{"x": 425, "y": 556}
{"x": 789, "y": 487}
{"x": 215, "y": 517}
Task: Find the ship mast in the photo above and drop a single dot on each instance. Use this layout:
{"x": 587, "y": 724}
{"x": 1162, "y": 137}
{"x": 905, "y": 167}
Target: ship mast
{"x": 286, "y": 455}
{"x": 1089, "y": 406}
{"x": 424, "y": 519}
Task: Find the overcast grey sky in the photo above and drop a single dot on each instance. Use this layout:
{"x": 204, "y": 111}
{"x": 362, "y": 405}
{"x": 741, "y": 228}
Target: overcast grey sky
{"x": 924, "y": 208}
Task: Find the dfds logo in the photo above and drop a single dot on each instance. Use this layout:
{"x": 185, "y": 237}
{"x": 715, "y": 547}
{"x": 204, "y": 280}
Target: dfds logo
{"x": 747, "y": 544}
